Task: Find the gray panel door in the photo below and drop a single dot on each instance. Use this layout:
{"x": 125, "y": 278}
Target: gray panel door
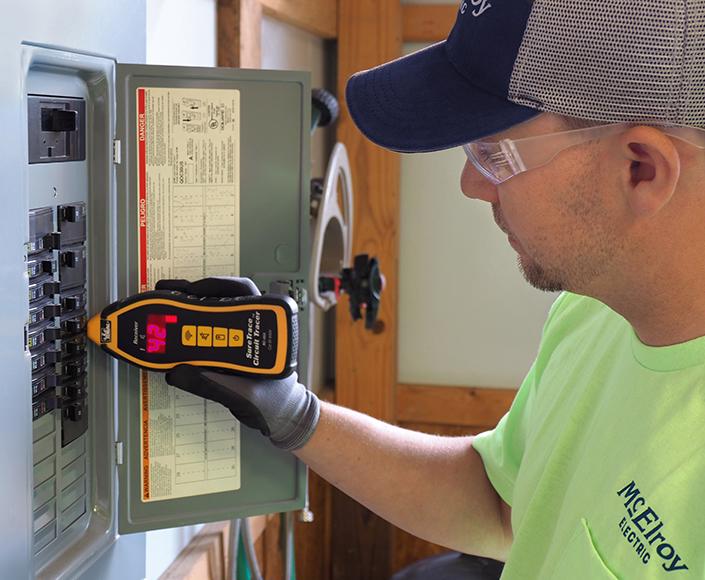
{"x": 273, "y": 247}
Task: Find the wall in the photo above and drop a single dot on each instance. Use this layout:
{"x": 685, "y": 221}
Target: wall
{"x": 466, "y": 315}
{"x": 183, "y": 32}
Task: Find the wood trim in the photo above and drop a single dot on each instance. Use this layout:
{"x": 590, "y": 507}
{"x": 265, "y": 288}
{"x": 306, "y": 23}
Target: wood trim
{"x": 464, "y": 406}
{"x": 369, "y": 33}
{"x": 239, "y": 33}
{"x": 366, "y": 362}
{"x": 204, "y": 557}
{"x": 320, "y": 17}
{"x": 446, "y": 430}
{"x": 428, "y": 22}
{"x": 272, "y": 559}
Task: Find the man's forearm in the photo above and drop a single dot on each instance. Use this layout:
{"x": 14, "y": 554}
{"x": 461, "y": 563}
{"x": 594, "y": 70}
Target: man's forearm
{"x": 433, "y": 487}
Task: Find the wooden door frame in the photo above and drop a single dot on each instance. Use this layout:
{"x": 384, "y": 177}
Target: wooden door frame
{"x": 239, "y": 25}
{"x": 369, "y": 32}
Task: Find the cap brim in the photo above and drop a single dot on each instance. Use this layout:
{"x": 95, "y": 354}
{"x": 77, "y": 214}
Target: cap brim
{"x": 420, "y": 103}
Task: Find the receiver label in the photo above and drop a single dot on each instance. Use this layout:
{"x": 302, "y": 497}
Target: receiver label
{"x": 188, "y": 178}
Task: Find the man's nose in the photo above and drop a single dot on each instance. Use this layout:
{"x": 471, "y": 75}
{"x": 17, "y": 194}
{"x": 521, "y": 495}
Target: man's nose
{"x": 475, "y": 186}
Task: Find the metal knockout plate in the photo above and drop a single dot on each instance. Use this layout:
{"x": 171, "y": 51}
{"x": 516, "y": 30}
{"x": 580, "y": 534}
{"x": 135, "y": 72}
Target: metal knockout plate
{"x": 274, "y": 247}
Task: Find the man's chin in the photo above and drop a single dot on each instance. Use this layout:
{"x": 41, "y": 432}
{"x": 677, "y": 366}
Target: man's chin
{"x": 537, "y": 277}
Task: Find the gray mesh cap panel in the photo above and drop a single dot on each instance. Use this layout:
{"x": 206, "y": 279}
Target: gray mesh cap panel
{"x": 614, "y": 60}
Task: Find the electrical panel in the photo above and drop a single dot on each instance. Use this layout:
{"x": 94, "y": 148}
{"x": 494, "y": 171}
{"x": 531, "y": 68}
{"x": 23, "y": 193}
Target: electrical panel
{"x": 135, "y": 173}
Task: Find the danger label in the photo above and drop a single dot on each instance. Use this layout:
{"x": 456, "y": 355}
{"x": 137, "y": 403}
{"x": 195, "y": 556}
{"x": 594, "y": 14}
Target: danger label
{"x": 188, "y": 220}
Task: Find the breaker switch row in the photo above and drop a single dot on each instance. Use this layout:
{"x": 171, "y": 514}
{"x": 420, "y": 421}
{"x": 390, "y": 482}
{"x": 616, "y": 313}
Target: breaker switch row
{"x": 56, "y": 339}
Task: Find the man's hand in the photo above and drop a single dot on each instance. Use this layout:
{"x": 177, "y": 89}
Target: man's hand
{"x": 283, "y": 410}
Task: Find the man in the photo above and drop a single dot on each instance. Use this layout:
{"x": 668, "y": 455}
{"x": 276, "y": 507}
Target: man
{"x": 577, "y": 118}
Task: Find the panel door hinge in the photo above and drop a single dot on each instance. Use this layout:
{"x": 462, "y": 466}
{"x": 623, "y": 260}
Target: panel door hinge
{"x": 117, "y": 151}
{"x": 118, "y": 452}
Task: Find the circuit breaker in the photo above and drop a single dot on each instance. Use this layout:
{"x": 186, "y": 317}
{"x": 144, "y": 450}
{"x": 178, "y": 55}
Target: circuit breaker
{"x": 138, "y": 173}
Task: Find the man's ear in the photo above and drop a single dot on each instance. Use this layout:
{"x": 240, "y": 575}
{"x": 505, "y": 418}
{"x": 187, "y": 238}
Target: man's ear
{"x": 650, "y": 169}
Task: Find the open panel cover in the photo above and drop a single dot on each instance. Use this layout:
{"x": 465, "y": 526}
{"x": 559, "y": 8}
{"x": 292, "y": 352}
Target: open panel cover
{"x": 213, "y": 181}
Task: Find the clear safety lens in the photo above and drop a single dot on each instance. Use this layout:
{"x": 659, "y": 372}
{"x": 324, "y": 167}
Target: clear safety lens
{"x": 501, "y": 160}
{"x": 490, "y": 159}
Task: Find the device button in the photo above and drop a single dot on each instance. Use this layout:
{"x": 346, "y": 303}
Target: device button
{"x": 236, "y": 337}
{"x": 205, "y": 336}
{"x": 188, "y": 335}
{"x": 220, "y": 337}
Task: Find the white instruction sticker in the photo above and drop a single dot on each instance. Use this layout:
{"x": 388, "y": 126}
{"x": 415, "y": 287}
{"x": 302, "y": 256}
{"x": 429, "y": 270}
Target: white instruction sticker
{"x": 188, "y": 174}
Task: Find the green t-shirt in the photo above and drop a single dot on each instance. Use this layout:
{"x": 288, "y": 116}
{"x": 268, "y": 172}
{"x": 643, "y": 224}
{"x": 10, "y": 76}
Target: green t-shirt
{"x": 602, "y": 455}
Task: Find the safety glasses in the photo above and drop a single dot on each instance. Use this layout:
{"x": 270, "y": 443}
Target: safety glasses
{"x": 501, "y": 160}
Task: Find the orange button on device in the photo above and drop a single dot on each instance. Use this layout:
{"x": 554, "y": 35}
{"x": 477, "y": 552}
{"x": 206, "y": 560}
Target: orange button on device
{"x": 236, "y": 337}
{"x": 205, "y": 336}
{"x": 188, "y": 335}
{"x": 220, "y": 337}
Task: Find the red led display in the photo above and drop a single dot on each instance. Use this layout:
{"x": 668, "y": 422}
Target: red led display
{"x": 156, "y": 331}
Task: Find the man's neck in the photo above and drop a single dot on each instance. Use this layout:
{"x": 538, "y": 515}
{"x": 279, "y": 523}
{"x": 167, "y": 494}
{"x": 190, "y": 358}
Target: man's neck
{"x": 662, "y": 316}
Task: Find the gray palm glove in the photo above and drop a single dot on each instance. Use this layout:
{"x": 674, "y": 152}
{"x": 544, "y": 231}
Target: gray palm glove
{"x": 283, "y": 409}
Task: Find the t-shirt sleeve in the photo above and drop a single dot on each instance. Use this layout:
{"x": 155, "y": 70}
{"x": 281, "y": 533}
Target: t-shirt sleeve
{"x": 502, "y": 448}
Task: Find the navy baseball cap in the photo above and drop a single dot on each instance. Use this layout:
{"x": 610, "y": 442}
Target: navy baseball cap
{"x": 640, "y": 61}
{"x": 450, "y": 93}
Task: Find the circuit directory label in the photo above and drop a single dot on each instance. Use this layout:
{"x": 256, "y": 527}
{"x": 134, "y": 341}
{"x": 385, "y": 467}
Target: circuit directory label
{"x": 188, "y": 223}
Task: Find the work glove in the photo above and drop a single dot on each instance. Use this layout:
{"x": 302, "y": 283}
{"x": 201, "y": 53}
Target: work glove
{"x": 282, "y": 409}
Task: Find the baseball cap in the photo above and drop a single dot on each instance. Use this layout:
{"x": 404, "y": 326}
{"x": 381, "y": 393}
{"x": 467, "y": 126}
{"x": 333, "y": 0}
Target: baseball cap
{"x": 506, "y": 61}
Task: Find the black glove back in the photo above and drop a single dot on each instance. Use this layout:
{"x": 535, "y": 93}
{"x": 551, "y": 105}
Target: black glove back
{"x": 283, "y": 410}
{"x": 212, "y": 287}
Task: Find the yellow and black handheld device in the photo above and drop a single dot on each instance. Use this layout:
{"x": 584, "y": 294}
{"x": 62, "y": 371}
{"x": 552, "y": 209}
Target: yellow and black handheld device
{"x": 158, "y": 330}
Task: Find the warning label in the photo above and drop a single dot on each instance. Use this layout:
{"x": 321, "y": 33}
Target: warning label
{"x": 189, "y": 183}
{"x": 190, "y": 446}
{"x": 188, "y": 144}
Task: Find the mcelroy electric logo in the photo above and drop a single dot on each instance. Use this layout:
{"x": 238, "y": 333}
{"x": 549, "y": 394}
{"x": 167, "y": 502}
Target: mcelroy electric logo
{"x": 645, "y": 531}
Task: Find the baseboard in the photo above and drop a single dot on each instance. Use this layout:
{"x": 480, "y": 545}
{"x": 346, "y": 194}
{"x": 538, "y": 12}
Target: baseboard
{"x": 458, "y": 406}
